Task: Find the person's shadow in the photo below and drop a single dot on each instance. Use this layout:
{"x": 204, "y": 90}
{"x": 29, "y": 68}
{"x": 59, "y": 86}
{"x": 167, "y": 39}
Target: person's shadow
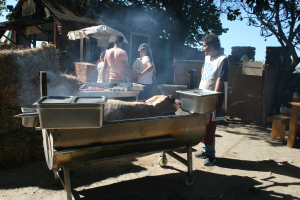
{"x": 283, "y": 168}
{"x": 86, "y": 182}
{"x": 207, "y": 185}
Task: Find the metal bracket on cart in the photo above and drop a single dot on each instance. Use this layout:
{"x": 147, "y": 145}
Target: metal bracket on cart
{"x": 63, "y": 176}
{"x": 214, "y": 118}
{"x": 162, "y": 161}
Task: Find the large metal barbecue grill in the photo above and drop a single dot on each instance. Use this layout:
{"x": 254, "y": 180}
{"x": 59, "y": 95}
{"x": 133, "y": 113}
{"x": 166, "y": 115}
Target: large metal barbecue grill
{"x": 68, "y": 144}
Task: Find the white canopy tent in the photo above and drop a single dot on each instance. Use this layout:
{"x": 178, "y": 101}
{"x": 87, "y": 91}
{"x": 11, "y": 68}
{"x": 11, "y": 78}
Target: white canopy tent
{"x": 103, "y": 33}
{"x": 96, "y": 32}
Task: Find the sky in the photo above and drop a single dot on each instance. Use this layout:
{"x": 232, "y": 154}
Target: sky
{"x": 239, "y": 34}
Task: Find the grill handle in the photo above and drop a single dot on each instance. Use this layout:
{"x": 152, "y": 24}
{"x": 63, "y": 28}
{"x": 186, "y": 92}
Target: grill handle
{"x": 43, "y": 83}
{"x": 27, "y": 115}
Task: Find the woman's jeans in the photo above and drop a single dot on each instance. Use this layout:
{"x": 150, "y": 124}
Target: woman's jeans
{"x": 210, "y": 149}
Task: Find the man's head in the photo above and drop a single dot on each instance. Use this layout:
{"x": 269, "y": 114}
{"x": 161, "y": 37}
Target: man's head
{"x": 119, "y": 40}
{"x": 211, "y": 44}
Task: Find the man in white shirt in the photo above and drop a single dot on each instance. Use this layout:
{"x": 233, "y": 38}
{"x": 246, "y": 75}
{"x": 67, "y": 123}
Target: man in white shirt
{"x": 214, "y": 74}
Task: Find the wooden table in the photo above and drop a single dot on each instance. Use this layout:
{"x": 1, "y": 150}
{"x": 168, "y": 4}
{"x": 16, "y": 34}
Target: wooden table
{"x": 293, "y": 123}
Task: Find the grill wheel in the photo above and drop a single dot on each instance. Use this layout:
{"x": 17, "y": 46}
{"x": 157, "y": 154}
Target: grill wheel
{"x": 48, "y": 147}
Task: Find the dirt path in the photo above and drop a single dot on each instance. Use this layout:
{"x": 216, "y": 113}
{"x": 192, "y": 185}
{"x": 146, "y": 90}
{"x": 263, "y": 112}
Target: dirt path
{"x": 248, "y": 166}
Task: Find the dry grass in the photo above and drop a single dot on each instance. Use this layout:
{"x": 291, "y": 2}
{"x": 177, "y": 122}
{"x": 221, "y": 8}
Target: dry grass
{"x": 19, "y": 87}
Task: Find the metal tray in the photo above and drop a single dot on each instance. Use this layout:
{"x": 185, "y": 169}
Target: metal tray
{"x": 131, "y": 86}
{"x": 29, "y": 116}
{"x": 198, "y": 100}
{"x": 71, "y": 112}
{"x": 136, "y": 86}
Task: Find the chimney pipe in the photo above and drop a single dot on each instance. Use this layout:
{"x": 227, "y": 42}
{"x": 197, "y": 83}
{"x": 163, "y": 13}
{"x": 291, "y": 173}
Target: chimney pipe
{"x": 193, "y": 78}
{"x": 43, "y": 83}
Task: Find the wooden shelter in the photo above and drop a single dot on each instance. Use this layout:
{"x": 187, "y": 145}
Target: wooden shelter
{"x": 49, "y": 21}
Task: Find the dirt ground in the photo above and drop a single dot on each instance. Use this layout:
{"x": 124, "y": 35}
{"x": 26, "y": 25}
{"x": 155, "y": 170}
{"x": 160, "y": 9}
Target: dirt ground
{"x": 248, "y": 166}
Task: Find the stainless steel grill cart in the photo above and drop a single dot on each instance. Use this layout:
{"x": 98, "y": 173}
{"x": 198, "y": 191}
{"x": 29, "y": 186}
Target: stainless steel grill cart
{"x": 67, "y": 144}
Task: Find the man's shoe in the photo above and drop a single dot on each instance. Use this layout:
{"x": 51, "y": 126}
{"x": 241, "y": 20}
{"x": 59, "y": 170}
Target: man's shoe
{"x": 209, "y": 161}
{"x": 202, "y": 154}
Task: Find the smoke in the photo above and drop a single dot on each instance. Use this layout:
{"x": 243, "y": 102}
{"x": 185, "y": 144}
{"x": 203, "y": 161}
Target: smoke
{"x": 138, "y": 27}
{"x": 62, "y": 85}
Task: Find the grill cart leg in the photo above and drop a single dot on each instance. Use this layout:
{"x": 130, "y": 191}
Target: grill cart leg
{"x": 189, "y": 163}
{"x": 64, "y": 177}
{"x": 190, "y": 178}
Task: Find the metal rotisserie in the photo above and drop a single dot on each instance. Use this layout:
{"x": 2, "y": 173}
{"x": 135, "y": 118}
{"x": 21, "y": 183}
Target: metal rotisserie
{"x": 125, "y": 137}
{"x": 67, "y": 141}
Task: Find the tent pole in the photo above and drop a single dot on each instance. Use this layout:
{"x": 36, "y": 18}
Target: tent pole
{"x": 88, "y": 40}
{"x": 81, "y": 49}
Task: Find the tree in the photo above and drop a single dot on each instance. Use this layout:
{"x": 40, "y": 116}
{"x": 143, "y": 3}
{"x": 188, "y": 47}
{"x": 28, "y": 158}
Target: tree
{"x": 2, "y": 7}
{"x": 185, "y": 21}
{"x": 280, "y": 18}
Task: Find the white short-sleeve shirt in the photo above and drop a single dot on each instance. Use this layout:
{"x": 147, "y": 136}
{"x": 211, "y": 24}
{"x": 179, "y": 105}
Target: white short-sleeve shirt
{"x": 147, "y": 78}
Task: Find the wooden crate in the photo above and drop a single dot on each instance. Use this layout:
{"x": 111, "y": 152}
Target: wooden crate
{"x": 86, "y": 72}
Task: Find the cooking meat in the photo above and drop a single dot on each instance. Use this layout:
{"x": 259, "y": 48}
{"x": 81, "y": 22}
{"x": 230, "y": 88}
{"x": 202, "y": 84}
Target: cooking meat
{"x": 155, "y": 106}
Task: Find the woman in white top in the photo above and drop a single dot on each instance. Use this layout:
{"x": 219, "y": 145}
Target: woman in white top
{"x": 144, "y": 72}
{"x": 100, "y": 68}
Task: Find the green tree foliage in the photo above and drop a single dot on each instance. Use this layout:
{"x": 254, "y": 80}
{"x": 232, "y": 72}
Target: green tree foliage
{"x": 182, "y": 21}
{"x": 2, "y": 7}
{"x": 185, "y": 21}
{"x": 280, "y": 18}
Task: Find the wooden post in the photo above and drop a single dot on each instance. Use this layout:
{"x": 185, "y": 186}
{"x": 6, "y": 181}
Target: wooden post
{"x": 15, "y": 37}
{"x": 54, "y": 28}
{"x": 87, "y": 49}
{"x": 30, "y": 41}
{"x": 34, "y": 40}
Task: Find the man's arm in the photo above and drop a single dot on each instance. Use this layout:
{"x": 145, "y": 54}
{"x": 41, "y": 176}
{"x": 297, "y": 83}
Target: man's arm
{"x": 128, "y": 70}
{"x": 219, "y": 85}
{"x": 104, "y": 70}
{"x": 222, "y": 75}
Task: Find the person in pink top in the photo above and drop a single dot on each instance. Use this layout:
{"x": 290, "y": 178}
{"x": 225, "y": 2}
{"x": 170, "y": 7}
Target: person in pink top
{"x": 116, "y": 61}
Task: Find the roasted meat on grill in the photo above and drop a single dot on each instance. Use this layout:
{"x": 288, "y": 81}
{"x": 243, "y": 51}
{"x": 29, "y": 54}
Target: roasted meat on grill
{"x": 155, "y": 106}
